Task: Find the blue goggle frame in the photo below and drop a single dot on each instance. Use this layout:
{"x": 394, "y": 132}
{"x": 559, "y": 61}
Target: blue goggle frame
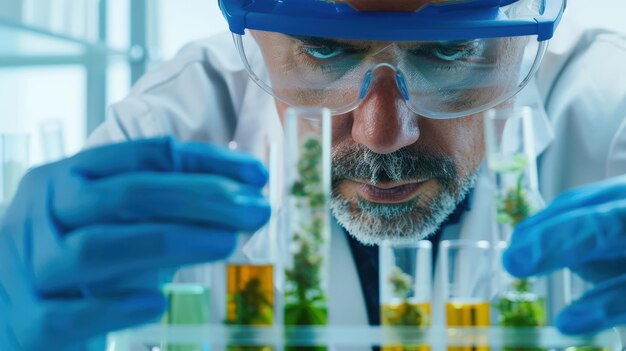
{"x": 469, "y": 19}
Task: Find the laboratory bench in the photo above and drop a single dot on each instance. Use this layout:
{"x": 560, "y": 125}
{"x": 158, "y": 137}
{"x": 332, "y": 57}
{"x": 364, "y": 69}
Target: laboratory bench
{"x": 162, "y": 337}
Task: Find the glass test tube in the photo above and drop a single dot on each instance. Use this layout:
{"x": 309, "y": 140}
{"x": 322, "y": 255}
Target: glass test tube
{"x": 512, "y": 161}
{"x": 250, "y": 284}
{"x": 467, "y": 268}
{"x": 468, "y": 271}
{"x": 250, "y": 293}
{"x": 405, "y": 286}
{"x": 52, "y": 140}
{"x": 189, "y": 303}
{"x": 250, "y": 287}
{"x": 574, "y": 288}
{"x": 307, "y": 161}
{"x": 511, "y": 158}
{"x": 519, "y": 302}
{"x": 14, "y": 150}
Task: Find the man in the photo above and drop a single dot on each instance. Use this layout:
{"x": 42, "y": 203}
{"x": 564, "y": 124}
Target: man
{"x": 87, "y": 236}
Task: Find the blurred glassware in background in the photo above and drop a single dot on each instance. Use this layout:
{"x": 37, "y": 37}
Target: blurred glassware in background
{"x": 14, "y": 150}
{"x": 75, "y": 18}
{"x": 52, "y": 140}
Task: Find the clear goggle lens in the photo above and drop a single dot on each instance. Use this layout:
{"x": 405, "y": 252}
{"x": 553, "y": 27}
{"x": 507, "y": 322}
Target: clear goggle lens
{"x": 437, "y": 79}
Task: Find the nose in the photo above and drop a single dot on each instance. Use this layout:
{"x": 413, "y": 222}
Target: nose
{"x": 383, "y": 122}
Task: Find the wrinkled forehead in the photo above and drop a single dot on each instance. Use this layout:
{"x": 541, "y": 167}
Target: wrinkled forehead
{"x": 391, "y": 5}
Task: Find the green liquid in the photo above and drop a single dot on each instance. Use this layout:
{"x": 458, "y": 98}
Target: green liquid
{"x": 188, "y": 304}
{"x": 588, "y": 348}
{"x": 303, "y": 313}
{"x": 522, "y": 309}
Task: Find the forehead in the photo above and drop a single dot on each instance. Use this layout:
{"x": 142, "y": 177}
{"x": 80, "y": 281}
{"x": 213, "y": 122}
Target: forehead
{"x": 393, "y": 5}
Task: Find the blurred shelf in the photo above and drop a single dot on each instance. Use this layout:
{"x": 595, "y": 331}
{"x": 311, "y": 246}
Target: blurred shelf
{"x": 495, "y": 337}
{"x": 25, "y": 45}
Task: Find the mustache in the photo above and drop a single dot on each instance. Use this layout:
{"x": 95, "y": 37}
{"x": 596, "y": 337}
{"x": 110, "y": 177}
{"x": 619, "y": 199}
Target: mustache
{"x": 406, "y": 164}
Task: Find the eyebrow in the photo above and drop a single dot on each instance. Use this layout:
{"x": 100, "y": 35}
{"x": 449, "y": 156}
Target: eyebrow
{"x": 317, "y": 41}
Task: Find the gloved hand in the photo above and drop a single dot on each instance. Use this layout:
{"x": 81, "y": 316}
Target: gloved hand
{"x": 583, "y": 229}
{"x": 81, "y": 232}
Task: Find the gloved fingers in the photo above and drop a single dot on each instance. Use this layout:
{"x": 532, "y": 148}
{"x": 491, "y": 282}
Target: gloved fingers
{"x": 150, "y": 280}
{"x": 585, "y": 196}
{"x": 601, "y": 270}
{"x": 177, "y": 198}
{"x": 168, "y": 155}
{"x": 15, "y": 287}
{"x": 601, "y": 308}
{"x": 569, "y": 239}
{"x": 93, "y": 255}
{"x": 60, "y": 324}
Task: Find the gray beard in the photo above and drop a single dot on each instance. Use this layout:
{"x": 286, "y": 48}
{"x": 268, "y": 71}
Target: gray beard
{"x": 372, "y": 223}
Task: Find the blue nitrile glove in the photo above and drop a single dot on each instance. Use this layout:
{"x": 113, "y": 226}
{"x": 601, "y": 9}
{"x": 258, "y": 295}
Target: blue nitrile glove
{"x": 81, "y": 232}
{"x": 585, "y": 230}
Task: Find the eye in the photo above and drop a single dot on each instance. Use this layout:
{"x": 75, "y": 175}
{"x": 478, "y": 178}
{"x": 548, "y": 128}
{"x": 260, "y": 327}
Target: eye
{"x": 323, "y": 52}
{"x": 449, "y": 51}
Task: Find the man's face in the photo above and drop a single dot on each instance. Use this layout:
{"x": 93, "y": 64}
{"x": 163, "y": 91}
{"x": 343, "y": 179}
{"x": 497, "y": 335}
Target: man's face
{"x": 395, "y": 174}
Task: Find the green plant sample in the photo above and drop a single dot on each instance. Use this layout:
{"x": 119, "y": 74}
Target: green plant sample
{"x": 519, "y": 307}
{"x": 406, "y": 313}
{"x": 252, "y": 307}
{"x": 305, "y": 299}
{"x": 515, "y": 205}
{"x": 251, "y": 304}
{"x": 401, "y": 282}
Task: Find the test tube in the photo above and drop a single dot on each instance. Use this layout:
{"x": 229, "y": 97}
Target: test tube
{"x": 188, "y": 303}
{"x": 14, "y": 150}
{"x": 249, "y": 294}
{"x": 52, "y": 140}
{"x": 405, "y": 286}
{"x": 307, "y": 179}
{"x": 519, "y": 302}
{"x": 250, "y": 282}
{"x": 574, "y": 288}
{"x": 511, "y": 157}
{"x": 250, "y": 273}
{"x": 468, "y": 276}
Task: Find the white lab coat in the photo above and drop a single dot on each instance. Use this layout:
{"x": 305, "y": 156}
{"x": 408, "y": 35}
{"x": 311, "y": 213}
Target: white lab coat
{"x": 204, "y": 94}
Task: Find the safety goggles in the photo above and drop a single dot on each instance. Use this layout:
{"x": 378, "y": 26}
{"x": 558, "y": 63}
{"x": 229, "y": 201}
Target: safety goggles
{"x": 446, "y": 60}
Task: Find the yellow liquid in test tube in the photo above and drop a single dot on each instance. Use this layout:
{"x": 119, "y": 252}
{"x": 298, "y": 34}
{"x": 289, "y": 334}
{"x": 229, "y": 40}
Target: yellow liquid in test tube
{"x": 250, "y": 294}
{"x": 406, "y": 314}
{"x": 250, "y": 299}
{"x": 468, "y": 314}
